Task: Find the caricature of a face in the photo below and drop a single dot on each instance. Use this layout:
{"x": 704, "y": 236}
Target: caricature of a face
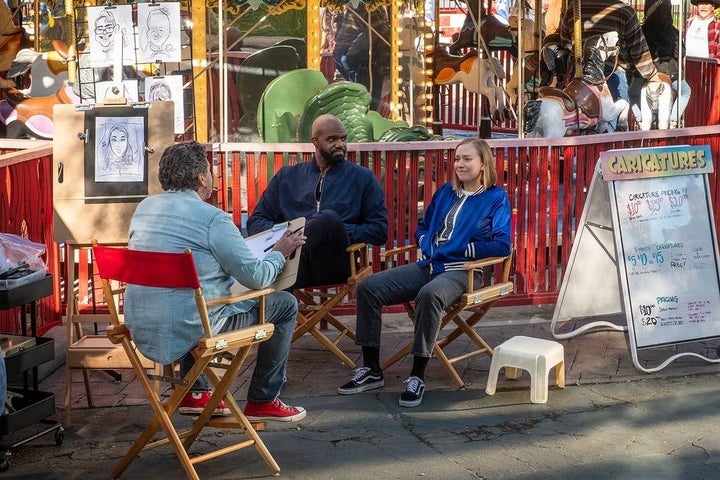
{"x": 118, "y": 142}
{"x": 105, "y": 27}
{"x": 160, "y": 92}
{"x": 158, "y": 32}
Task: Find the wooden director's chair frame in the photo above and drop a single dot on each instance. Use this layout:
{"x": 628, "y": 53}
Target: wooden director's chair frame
{"x": 317, "y": 304}
{"x": 477, "y": 300}
{"x": 120, "y": 266}
{"x": 88, "y": 348}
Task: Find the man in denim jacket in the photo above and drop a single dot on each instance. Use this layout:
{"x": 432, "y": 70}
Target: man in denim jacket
{"x": 177, "y": 219}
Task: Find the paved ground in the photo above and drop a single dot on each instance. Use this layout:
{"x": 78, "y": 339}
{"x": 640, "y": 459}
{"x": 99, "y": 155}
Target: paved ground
{"x": 611, "y": 422}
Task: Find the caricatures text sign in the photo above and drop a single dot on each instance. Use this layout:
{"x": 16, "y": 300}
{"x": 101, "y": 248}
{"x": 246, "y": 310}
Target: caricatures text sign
{"x": 666, "y": 243}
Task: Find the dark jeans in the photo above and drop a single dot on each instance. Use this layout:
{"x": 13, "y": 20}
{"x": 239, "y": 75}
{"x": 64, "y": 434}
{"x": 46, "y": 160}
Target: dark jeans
{"x": 272, "y": 355}
{"x": 324, "y": 260}
{"x": 432, "y": 295}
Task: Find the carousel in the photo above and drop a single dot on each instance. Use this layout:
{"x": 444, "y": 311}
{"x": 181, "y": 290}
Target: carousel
{"x": 261, "y": 70}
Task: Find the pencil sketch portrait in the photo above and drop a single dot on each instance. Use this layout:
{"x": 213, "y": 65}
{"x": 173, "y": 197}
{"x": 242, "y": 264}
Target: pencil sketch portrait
{"x": 159, "y": 32}
{"x": 111, "y": 38}
{"x": 168, "y": 88}
{"x": 119, "y": 149}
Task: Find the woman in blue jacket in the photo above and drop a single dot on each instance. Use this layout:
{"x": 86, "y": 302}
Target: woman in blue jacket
{"x": 467, "y": 219}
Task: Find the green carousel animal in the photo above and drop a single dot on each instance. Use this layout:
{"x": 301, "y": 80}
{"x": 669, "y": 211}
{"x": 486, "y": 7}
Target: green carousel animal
{"x": 293, "y": 100}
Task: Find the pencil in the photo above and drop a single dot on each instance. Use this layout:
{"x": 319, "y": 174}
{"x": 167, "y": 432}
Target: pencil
{"x": 270, "y": 247}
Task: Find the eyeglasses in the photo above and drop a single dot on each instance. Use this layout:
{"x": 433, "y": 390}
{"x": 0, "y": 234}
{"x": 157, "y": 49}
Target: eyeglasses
{"x": 105, "y": 29}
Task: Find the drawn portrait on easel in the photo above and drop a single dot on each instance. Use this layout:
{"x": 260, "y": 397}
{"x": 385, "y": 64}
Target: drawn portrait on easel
{"x": 115, "y": 158}
{"x": 111, "y": 35}
{"x": 168, "y": 88}
{"x": 118, "y": 145}
{"x": 159, "y": 32}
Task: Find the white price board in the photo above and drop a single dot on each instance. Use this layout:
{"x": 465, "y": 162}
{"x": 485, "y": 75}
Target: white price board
{"x": 666, "y": 244}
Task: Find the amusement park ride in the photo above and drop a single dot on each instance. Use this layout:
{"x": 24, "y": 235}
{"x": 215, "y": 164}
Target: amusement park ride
{"x": 47, "y": 58}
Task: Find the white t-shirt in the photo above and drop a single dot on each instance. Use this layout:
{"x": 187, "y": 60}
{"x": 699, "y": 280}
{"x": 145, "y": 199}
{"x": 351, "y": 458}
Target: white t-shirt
{"x": 696, "y": 38}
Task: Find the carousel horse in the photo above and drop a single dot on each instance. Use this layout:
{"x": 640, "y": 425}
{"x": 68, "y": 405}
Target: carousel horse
{"x": 585, "y": 104}
{"x": 29, "y": 111}
{"x": 476, "y": 74}
{"x": 656, "y": 99}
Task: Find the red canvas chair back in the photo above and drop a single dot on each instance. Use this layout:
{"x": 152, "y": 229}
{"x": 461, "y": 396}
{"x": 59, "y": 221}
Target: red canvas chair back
{"x": 149, "y": 269}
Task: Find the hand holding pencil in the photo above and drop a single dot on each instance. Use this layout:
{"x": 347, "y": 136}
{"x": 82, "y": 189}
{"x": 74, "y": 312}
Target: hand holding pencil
{"x": 289, "y": 242}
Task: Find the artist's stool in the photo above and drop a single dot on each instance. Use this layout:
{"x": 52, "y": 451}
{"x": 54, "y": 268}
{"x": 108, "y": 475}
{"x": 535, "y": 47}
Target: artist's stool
{"x": 535, "y": 355}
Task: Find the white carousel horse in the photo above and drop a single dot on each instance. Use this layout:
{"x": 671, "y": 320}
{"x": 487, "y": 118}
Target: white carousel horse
{"x": 656, "y": 99}
{"x": 585, "y": 105}
{"x": 476, "y": 75}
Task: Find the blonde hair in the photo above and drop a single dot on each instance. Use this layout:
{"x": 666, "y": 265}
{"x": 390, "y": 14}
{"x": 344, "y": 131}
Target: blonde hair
{"x": 489, "y": 173}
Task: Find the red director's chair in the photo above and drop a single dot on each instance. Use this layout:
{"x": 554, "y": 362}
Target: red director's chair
{"x": 118, "y": 267}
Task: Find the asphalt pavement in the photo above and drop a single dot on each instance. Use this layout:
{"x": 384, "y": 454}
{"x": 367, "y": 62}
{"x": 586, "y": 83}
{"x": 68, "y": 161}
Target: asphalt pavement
{"x": 611, "y": 422}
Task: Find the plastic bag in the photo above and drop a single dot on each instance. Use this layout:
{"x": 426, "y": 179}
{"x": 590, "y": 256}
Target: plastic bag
{"x": 16, "y": 251}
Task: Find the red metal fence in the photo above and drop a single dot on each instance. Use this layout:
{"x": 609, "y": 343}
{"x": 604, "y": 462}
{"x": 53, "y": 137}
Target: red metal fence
{"x": 547, "y": 182}
{"x": 26, "y": 209}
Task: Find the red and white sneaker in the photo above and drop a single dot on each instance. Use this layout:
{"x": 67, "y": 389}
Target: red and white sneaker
{"x": 275, "y": 411}
{"x": 193, "y": 403}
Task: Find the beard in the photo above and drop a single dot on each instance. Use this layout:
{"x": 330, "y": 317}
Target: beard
{"x": 334, "y": 156}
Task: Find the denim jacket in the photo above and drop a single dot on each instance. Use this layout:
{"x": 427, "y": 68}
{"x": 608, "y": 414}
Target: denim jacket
{"x": 164, "y": 321}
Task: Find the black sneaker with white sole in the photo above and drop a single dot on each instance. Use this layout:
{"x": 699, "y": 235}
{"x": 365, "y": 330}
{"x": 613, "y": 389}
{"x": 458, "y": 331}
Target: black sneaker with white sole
{"x": 413, "y": 394}
{"x": 363, "y": 379}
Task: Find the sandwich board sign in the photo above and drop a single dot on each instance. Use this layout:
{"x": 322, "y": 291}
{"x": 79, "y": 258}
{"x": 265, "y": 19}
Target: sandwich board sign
{"x": 663, "y": 260}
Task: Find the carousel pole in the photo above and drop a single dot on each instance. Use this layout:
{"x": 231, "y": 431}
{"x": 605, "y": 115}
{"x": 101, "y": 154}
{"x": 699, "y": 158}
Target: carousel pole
{"x": 395, "y": 67}
{"x": 521, "y": 69}
{"x": 72, "y": 47}
{"x": 200, "y": 77}
{"x": 484, "y": 125}
{"x": 681, "y": 63}
{"x": 437, "y": 126}
{"x": 577, "y": 38}
{"x": 314, "y": 37}
{"x": 222, "y": 71}
{"x": 36, "y": 25}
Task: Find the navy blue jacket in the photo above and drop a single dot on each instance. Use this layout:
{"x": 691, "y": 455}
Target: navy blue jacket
{"x": 349, "y": 189}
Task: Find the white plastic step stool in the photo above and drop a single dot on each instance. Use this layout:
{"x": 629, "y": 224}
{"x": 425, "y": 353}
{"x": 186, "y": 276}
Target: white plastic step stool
{"x": 535, "y": 355}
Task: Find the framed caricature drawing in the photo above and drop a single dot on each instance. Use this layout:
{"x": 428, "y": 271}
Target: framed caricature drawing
{"x": 111, "y": 35}
{"x": 158, "y": 32}
{"x": 168, "y": 88}
{"x": 115, "y": 161}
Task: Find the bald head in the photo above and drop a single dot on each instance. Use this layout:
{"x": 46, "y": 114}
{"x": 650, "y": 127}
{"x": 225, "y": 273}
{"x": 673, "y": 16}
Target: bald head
{"x": 330, "y": 139}
{"x": 326, "y": 122}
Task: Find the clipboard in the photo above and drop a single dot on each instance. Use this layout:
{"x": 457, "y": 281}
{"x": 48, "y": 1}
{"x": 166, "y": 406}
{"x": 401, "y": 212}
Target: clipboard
{"x": 263, "y": 242}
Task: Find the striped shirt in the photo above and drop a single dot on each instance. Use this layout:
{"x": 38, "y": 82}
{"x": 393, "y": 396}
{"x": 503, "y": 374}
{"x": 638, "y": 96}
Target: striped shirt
{"x": 603, "y": 16}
